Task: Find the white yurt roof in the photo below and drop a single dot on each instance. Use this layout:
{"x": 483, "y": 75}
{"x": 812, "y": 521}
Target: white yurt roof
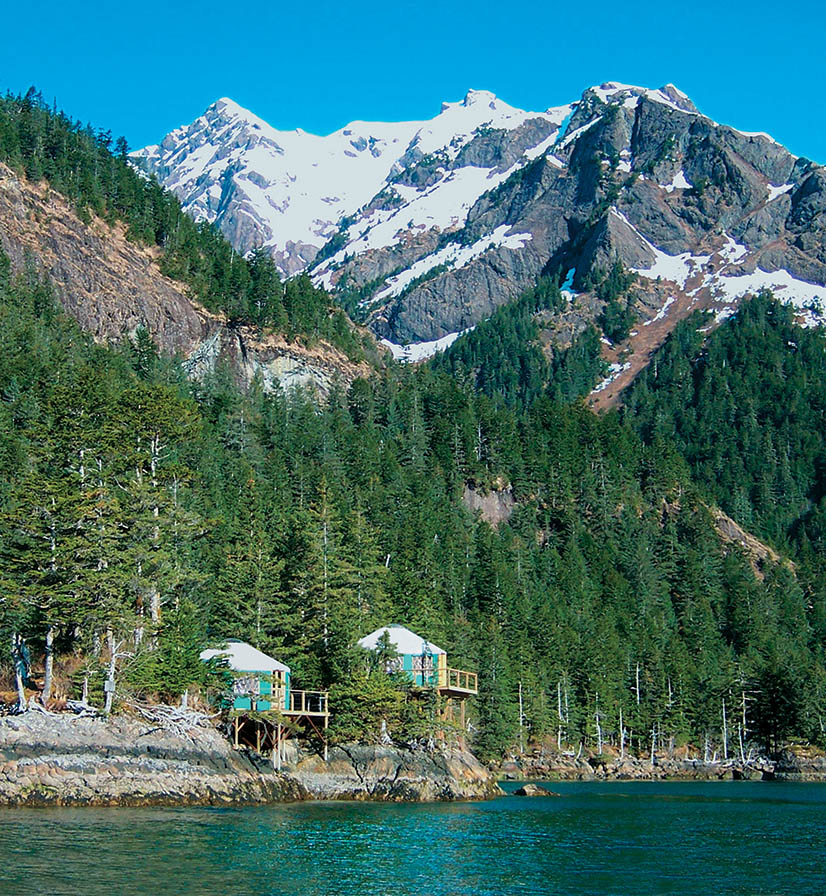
{"x": 402, "y": 639}
{"x": 243, "y": 657}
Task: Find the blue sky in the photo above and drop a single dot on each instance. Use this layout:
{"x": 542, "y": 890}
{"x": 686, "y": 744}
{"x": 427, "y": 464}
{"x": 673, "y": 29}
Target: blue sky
{"x": 143, "y": 69}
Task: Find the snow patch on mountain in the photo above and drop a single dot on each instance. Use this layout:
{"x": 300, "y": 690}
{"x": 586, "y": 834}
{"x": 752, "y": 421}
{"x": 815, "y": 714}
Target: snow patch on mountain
{"x": 680, "y": 182}
{"x": 808, "y": 299}
{"x": 577, "y": 133}
{"x": 421, "y": 351}
{"x": 444, "y": 206}
{"x": 614, "y": 371}
{"x": 774, "y": 192}
{"x": 725, "y": 286}
{"x": 548, "y": 143}
{"x": 676, "y": 268}
{"x": 733, "y": 251}
{"x": 457, "y": 123}
{"x": 661, "y": 313}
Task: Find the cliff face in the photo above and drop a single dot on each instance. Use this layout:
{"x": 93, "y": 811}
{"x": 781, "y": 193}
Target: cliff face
{"x": 276, "y": 362}
{"x": 112, "y": 287}
{"x": 109, "y": 285}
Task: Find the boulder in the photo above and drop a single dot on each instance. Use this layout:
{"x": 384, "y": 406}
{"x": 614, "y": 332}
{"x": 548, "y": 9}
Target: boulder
{"x": 534, "y": 790}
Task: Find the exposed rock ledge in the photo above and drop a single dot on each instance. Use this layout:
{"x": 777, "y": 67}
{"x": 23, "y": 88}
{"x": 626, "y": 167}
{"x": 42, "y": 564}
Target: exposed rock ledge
{"x": 66, "y": 760}
{"x": 356, "y": 772}
{"x": 797, "y": 764}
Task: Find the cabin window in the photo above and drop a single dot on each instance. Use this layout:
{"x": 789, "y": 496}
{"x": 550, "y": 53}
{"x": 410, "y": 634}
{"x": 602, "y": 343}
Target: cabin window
{"x": 245, "y": 686}
{"x": 423, "y": 664}
{"x": 393, "y": 664}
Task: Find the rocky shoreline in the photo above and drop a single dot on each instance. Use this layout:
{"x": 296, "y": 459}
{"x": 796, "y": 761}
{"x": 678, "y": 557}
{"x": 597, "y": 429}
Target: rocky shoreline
{"x": 793, "y": 764}
{"x": 65, "y": 760}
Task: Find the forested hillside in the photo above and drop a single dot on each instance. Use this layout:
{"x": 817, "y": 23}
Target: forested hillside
{"x": 746, "y": 406}
{"x": 503, "y": 356}
{"x": 158, "y": 514}
{"x": 143, "y": 516}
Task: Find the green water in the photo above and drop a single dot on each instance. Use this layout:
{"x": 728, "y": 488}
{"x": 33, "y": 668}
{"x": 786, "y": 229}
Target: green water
{"x": 613, "y": 838}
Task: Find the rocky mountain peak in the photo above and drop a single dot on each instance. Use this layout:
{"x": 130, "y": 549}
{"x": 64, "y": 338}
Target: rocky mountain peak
{"x": 613, "y": 92}
{"x": 425, "y": 227}
{"x": 290, "y": 190}
{"x": 479, "y": 97}
{"x": 228, "y": 108}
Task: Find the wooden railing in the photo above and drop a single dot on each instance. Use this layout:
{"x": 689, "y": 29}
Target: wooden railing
{"x": 307, "y": 703}
{"x": 459, "y": 680}
{"x": 298, "y": 703}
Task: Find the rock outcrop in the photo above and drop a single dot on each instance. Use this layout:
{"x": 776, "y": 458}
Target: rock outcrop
{"x": 494, "y": 506}
{"x": 796, "y": 764}
{"x": 397, "y": 774}
{"x": 533, "y": 790}
{"x": 760, "y": 555}
{"x": 273, "y": 361}
{"x": 112, "y": 287}
{"x": 68, "y": 760}
{"x": 799, "y": 763}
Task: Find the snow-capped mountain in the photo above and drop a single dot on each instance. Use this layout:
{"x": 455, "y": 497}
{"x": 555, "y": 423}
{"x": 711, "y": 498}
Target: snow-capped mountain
{"x": 289, "y": 190}
{"x": 428, "y": 226}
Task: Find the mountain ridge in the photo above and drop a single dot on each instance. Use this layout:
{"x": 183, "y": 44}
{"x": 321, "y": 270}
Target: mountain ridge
{"x": 228, "y": 140}
{"x": 624, "y": 173}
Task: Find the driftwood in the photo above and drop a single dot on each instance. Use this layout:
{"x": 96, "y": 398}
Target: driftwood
{"x": 175, "y": 719}
{"x": 81, "y": 708}
{"x": 58, "y": 707}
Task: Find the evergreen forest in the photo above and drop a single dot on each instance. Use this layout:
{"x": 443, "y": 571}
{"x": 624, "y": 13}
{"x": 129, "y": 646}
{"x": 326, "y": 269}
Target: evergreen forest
{"x": 144, "y": 516}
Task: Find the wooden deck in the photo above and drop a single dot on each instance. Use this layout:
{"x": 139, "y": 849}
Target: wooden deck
{"x": 267, "y": 730}
{"x": 297, "y": 703}
{"x": 457, "y": 682}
